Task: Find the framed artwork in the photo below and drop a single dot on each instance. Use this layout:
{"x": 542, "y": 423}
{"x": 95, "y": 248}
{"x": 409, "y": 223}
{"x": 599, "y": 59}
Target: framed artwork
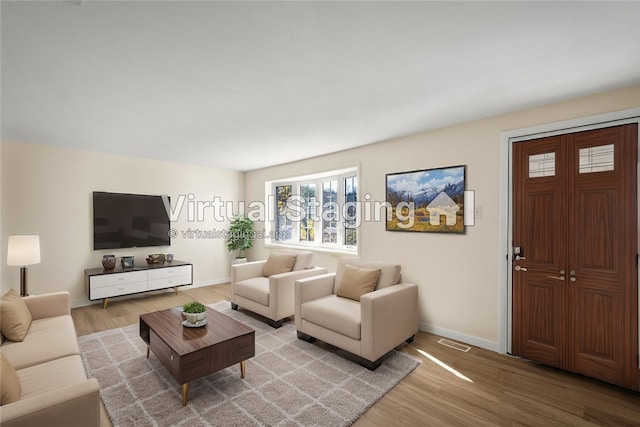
{"x": 427, "y": 200}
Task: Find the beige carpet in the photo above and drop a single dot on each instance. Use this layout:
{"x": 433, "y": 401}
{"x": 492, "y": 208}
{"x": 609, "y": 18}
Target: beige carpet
{"x": 289, "y": 382}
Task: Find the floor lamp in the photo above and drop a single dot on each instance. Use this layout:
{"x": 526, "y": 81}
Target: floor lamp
{"x": 23, "y": 251}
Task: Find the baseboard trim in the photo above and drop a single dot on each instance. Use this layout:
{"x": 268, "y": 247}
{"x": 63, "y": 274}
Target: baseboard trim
{"x": 459, "y": 336}
{"x": 85, "y": 302}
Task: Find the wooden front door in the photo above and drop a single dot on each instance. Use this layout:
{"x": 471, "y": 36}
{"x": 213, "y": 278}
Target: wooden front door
{"x": 575, "y": 300}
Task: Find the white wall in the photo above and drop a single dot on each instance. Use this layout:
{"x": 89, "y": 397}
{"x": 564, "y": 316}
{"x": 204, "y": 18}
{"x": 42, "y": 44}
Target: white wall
{"x": 457, "y": 274}
{"x": 48, "y": 191}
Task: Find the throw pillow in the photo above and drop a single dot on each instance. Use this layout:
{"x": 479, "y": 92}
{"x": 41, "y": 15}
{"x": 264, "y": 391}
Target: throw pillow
{"x": 10, "y": 388}
{"x": 15, "y": 316}
{"x": 278, "y": 262}
{"x": 357, "y": 282}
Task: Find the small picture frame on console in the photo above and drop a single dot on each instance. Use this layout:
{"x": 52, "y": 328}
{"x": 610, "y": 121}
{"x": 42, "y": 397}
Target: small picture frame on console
{"x": 127, "y": 261}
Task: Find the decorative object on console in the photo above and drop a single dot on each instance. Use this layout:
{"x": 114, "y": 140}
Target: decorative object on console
{"x": 109, "y": 262}
{"x": 240, "y": 235}
{"x": 155, "y": 259}
{"x": 428, "y": 200}
{"x": 195, "y": 314}
{"x": 23, "y": 251}
{"x": 168, "y": 257}
{"x": 127, "y": 261}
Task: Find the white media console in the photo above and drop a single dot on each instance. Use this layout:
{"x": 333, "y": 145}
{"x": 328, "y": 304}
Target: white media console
{"x": 104, "y": 284}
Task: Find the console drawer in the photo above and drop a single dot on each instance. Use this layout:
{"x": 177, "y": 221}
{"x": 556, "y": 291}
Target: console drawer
{"x": 118, "y": 289}
{"x": 161, "y": 273}
{"x": 117, "y": 279}
{"x": 169, "y": 282}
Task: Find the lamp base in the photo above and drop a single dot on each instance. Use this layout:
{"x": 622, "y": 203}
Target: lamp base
{"x": 24, "y": 290}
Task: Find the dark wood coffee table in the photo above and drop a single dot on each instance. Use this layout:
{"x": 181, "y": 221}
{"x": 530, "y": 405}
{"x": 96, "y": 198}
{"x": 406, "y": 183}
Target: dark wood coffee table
{"x": 192, "y": 353}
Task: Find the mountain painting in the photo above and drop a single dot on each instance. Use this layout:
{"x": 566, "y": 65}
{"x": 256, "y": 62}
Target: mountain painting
{"x": 429, "y": 200}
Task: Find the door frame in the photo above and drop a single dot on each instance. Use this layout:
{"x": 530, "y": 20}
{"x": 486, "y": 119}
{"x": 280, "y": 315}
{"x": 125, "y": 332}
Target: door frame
{"x": 505, "y": 229}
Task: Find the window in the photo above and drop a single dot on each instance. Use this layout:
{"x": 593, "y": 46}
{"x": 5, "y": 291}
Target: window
{"x": 284, "y": 224}
{"x": 330, "y": 211}
{"x": 316, "y": 211}
{"x": 307, "y": 225}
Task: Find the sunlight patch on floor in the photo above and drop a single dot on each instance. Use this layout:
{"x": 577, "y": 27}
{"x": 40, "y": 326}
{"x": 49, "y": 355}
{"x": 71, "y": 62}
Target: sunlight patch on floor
{"x": 444, "y": 365}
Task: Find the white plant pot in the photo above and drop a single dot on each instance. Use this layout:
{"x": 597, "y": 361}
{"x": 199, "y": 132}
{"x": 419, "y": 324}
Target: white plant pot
{"x": 194, "y": 318}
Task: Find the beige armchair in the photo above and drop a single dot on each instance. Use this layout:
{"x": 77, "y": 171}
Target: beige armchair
{"x": 266, "y": 287}
{"x": 361, "y": 309}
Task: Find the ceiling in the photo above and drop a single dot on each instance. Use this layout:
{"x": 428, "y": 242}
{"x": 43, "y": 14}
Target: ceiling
{"x": 245, "y": 85}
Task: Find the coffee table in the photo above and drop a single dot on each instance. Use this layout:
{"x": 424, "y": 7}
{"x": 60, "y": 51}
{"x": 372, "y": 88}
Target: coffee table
{"x": 192, "y": 353}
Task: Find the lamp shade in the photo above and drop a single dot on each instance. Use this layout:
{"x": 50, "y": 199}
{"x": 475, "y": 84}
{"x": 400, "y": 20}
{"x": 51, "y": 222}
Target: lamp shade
{"x": 23, "y": 250}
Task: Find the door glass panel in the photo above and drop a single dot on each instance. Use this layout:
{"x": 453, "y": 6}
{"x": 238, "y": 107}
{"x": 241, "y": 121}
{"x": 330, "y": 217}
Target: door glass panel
{"x": 596, "y": 159}
{"x": 541, "y": 165}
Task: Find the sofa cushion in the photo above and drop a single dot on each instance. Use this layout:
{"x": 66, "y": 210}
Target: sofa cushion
{"x": 52, "y": 375}
{"x": 357, "y": 281}
{"x": 15, "y": 316}
{"x": 255, "y": 289}
{"x": 278, "y": 262}
{"x": 10, "y": 388}
{"x": 338, "y": 314}
{"x": 48, "y": 339}
{"x": 389, "y": 273}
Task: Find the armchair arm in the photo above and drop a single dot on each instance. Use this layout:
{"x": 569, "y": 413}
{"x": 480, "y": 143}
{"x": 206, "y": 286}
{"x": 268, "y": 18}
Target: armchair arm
{"x": 389, "y": 317}
{"x": 240, "y": 272}
{"x": 48, "y": 305}
{"x": 309, "y": 289}
{"x": 281, "y": 290}
{"x": 73, "y": 405}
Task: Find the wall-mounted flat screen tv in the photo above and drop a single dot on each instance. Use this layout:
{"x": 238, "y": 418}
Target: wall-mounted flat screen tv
{"x": 129, "y": 220}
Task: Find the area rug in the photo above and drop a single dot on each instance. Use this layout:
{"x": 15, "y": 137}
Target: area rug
{"x": 289, "y": 382}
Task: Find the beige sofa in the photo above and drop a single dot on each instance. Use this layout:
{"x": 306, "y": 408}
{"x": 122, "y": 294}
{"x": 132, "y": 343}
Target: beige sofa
{"x": 367, "y": 318}
{"x": 53, "y": 385}
{"x": 255, "y": 288}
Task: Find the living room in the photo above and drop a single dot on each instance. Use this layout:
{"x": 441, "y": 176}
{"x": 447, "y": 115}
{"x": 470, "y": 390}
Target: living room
{"x": 47, "y": 184}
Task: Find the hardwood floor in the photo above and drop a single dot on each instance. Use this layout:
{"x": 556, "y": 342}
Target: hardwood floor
{"x": 449, "y": 388}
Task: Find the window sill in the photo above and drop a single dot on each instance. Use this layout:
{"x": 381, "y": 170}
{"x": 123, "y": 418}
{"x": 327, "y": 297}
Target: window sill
{"x": 327, "y": 250}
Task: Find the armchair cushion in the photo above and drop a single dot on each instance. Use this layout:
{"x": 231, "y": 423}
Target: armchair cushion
{"x": 15, "y": 316}
{"x": 10, "y": 389}
{"x": 357, "y": 281}
{"x": 279, "y": 262}
{"x": 340, "y": 315}
{"x": 256, "y": 289}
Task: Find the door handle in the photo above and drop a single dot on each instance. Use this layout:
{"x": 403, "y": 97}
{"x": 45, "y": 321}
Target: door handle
{"x": 556, "y": 277}
{"x": 518, "y": 268}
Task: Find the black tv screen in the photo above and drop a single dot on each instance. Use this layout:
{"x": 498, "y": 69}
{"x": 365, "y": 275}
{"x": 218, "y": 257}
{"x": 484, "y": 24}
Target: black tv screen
{"x": 129, "y": 220}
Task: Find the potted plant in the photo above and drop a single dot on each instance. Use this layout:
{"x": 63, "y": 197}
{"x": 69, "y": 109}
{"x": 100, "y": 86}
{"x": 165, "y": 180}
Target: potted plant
{"x": 194, "y": 312}
{"x": 240, "y": 236}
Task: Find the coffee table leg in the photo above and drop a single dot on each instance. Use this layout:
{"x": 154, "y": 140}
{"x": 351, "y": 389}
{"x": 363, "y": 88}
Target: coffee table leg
{"x": 242, "y": 369}
{"x": 185, "y": 393}
{"x": 148, "y": 348}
